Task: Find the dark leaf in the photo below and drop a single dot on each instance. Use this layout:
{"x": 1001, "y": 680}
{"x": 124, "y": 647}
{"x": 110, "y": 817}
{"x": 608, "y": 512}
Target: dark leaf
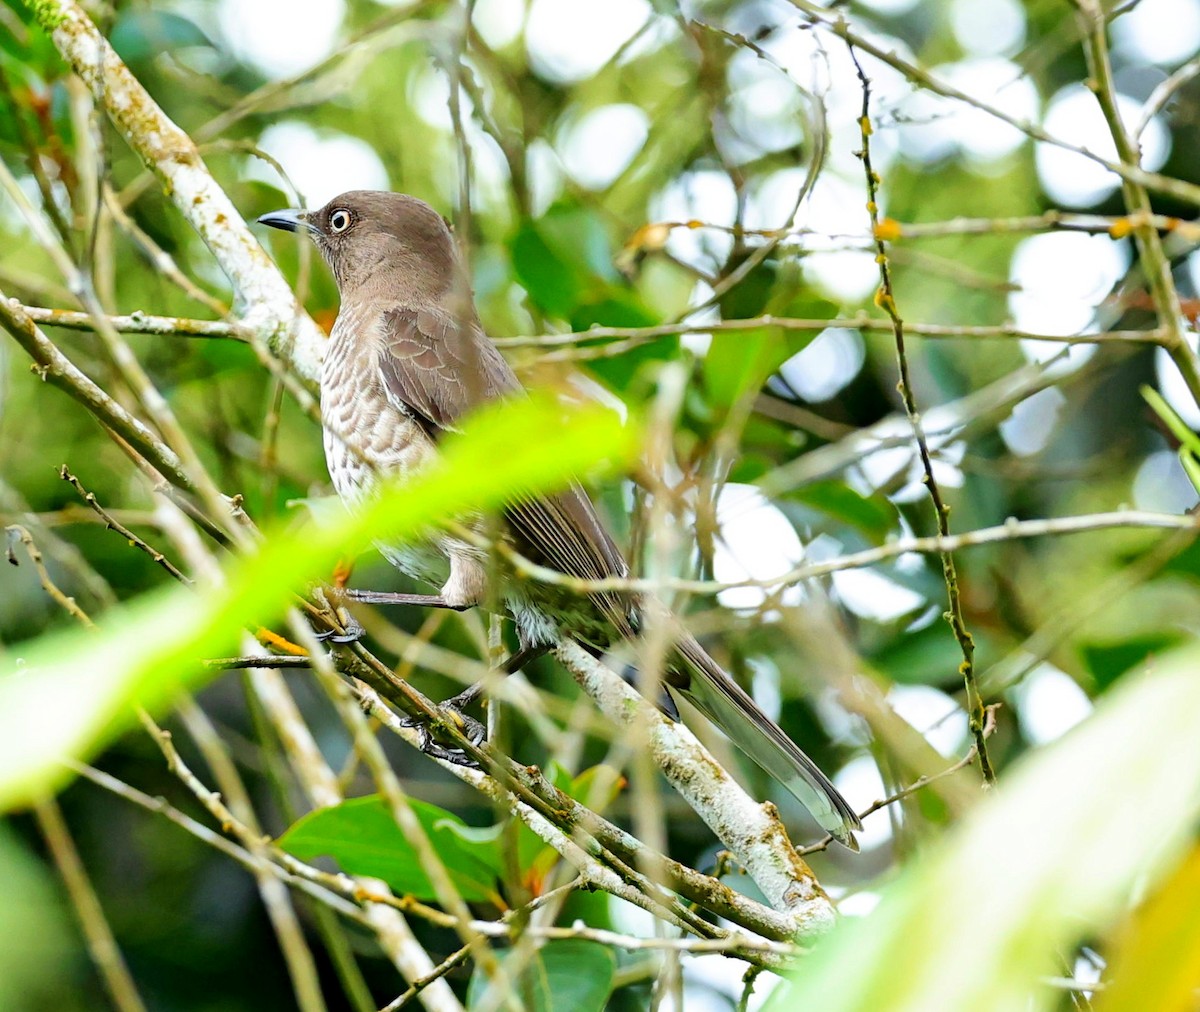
{"x": 361, "y": 835}
{"x": 570, "y": 975}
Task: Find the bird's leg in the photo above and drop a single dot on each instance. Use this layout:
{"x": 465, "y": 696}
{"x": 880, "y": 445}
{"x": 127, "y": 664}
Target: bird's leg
{"x": 474, "y": 731}
{"x": 421, "y": 600}
{"x": 455, "y": 705}
{"x": 511, "y": 666}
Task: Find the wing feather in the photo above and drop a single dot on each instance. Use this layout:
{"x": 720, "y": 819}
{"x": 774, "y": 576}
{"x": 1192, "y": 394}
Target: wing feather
{"x": 436, "y": 369}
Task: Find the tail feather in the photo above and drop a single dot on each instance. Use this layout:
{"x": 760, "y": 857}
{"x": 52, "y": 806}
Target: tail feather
{"x": 727, "y": 705}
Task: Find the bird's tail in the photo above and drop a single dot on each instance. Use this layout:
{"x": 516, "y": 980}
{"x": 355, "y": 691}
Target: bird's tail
{"x": 727, "y": 705}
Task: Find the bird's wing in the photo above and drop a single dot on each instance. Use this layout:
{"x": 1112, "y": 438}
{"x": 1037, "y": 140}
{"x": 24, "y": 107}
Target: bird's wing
{"x": 437, "y": 368}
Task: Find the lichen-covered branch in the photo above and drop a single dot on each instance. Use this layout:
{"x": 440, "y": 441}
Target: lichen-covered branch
{"x": 264, "y": 300}
{"x": 753, "y": 833}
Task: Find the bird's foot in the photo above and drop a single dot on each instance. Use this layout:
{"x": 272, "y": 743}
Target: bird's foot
{"x": 452, "y": 711}
{"x": 350, "y": 632}
{"x": 455, "y": 708}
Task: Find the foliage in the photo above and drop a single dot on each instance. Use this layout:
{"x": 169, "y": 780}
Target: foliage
{"x": 675, "y": 219}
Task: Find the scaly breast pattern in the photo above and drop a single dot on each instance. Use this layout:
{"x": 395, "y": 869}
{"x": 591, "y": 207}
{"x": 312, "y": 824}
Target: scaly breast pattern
{"x": 365, "y": 434}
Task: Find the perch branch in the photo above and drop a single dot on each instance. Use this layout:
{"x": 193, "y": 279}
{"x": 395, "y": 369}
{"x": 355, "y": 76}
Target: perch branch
{"x": 752, "y": 832}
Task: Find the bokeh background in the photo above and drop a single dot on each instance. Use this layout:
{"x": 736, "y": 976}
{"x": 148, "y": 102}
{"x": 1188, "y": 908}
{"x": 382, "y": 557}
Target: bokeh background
{"x": 560, "y": 137}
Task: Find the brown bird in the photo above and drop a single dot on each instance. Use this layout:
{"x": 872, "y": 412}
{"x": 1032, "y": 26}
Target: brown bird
{"x": 406, "y": 361}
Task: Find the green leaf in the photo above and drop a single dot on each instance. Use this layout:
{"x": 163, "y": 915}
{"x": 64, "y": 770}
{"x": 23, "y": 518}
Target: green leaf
{"x": 552, "y": 283}
{"x": 1186, "y": 562}
{"x": 570, "y": 975}
{"x": 564, "y": 259}
{"x": 362, "y": 836}
{"x": 1109, "y": 661}
{"x": 874, "y": 516}
{"x": 739, "y": 361}
{"x": 930, "y": 656}
{"x": 1049, "y": 858}
{"x": 66, "y": 695}
{"x": 139, "y": 34}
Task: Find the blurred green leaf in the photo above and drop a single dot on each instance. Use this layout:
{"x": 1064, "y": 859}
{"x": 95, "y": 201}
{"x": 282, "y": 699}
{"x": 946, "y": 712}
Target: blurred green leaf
{"x": 32, "y": 923}
{"x": 740, "y": 361}
{"x": 1109, "y": 661}
{"x": 1046, "y": 861}
{"x": 875, "y": 516}
{"x": 569, "y": 975}
{"x": 552, "y": 283}
{"x": 71, "y": 692}
{"x": 564, "y": 261}
{"x": 139, "y": 34}
{"x": 930, "y": 656}
{"x": 361, "y": 835}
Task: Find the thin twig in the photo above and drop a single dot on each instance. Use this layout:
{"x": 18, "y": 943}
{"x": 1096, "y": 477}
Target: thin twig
{"x": 1155, "y": 265}
{"x": 111, "y": 523}
{"x": 455, "y": 958}
{"x": 886, "y": 298}
{"x": 989, "y": 726}
{"x": 934, "y": 544}
{"x": 835, "y": 21}
{"x": 64, "y": 601}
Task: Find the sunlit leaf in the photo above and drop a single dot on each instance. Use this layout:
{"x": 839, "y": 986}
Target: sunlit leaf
{"x": 1045, "y": 862}
{"x": 1156, "y": 958}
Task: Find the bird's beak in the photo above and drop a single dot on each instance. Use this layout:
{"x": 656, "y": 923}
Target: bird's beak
{"x": 290, "y": 219}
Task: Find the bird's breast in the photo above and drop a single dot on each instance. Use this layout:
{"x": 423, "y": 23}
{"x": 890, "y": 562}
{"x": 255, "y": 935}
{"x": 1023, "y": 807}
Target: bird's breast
{"x": 366, "y": 436}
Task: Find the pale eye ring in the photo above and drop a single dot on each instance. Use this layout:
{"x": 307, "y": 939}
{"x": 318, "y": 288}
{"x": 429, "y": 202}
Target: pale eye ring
{"x": 339, "y": 221}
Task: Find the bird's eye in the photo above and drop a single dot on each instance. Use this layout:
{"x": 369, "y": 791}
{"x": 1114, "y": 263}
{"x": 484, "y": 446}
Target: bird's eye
{"x": 339, "y": 221}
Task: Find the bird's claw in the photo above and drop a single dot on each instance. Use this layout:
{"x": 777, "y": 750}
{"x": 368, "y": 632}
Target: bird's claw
{"x": 452, "y": 709}
{"x": 351, "y": 631}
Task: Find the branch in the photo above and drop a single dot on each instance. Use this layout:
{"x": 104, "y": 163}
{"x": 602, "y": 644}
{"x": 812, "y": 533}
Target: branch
{"x": 54, "y": 367}
{"x": 1155, "y": 264}
{"x": 631, "y": 337}
{"x": 752, "y": 832}
{"x": 934, "y": 544}
{"x": 138, "y": 323}
{"x": 836, "y": 22}
{"x": 102, "y": 946}
{"x": 589, "y": 857}
{"x": 263, "y": 297}
{"x": 886, "y": 297}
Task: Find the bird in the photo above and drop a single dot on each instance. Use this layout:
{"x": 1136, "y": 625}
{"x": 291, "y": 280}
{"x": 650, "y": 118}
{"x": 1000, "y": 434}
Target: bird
{"x": 407, "y": 360}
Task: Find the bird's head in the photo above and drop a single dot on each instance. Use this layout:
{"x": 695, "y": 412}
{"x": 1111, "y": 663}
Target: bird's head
{"x": 371, "y": 238}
